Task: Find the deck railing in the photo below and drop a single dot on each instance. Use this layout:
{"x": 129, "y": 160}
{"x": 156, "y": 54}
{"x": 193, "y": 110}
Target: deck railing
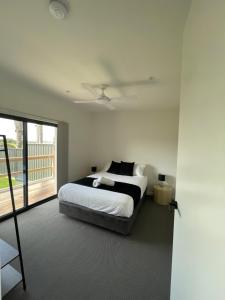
{"x": 41, "y": 162}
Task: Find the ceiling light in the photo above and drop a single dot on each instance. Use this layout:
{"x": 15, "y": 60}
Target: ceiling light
{"x": 58, "y": 9}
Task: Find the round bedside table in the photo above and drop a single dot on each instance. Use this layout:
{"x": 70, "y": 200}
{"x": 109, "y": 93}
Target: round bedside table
{"x": 162, "y": 194}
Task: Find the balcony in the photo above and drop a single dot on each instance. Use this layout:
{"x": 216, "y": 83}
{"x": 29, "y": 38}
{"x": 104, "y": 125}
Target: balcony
{"x": 37, "y": 191}
{"x": 41, "y": 176}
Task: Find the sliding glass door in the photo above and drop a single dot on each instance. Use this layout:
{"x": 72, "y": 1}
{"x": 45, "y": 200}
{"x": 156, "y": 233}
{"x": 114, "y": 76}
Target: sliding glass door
{"x": 32, "y": 153}
{"x": 14, "y": 132}
{"x": 41, "y": 162}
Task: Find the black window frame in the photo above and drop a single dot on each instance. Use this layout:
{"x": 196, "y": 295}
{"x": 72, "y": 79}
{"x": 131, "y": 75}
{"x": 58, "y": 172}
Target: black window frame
{"x": 26, "y": 206}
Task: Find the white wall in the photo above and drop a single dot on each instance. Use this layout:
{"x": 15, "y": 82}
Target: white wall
{"x": 21, "y": 96}
{"x": 198, "y": 270}
{"x": 146, "y": 137}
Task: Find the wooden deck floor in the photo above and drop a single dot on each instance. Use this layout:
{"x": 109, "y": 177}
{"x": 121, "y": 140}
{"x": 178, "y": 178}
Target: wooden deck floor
{"x": 37, "y": 192}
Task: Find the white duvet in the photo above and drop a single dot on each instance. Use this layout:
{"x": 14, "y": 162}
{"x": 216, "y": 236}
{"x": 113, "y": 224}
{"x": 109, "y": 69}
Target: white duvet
{"x": 109, "y": 202}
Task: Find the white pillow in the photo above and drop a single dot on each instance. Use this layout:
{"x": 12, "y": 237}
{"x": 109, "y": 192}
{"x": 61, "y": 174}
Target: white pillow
{"x": 139, "y": 170}
{"x": 106, "y": 167}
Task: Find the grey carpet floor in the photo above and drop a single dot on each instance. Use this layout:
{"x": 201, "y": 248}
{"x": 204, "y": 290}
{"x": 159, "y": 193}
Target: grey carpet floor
{"x": 72, "y": 260}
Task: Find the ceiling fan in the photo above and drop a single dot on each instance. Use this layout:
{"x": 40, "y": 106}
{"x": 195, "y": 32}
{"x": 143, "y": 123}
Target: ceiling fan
{"x": 101, "y": 98}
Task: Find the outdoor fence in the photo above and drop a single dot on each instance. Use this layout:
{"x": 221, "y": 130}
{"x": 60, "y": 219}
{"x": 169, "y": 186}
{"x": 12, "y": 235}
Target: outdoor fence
{"x": 41, "y": 162}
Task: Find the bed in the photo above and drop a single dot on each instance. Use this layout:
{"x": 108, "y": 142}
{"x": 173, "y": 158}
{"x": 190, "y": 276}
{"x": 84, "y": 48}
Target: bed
{"x": 114, "y": 208}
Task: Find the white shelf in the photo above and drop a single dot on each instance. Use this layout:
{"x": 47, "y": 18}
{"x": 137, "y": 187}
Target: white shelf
{"x": 8, "y": 253}
{"x": 10, "y": 278}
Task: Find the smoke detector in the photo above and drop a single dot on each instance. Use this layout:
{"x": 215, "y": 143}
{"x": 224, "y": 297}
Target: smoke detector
{"x": 58, "y": 9}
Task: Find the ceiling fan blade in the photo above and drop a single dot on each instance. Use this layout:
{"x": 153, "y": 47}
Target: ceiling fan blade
{"x": 125, "y": 98}
{"x": 109, "y": 106}
{"x": 90, "y": 88}
{"x": 84, "y": 101}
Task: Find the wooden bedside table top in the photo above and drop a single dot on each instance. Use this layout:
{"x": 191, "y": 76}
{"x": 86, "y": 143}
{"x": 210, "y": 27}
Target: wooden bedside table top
{"x": 163, "y": 187}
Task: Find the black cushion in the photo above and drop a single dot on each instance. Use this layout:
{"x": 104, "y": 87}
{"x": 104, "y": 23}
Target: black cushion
{"x": 126, "y": 168}
{"x": 114, "y": 168}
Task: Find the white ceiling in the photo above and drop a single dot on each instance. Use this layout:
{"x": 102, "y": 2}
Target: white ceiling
{"x": 101, "y": 41}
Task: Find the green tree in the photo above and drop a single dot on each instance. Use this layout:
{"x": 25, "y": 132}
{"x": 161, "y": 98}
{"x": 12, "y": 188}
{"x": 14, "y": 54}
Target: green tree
{"x": 19, "y": 133}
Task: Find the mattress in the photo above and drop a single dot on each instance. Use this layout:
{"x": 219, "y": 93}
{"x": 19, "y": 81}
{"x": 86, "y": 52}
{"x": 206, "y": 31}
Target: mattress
{"x": 109, "y": 202}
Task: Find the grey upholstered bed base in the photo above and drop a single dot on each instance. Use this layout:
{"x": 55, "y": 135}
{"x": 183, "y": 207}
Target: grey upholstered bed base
{"x": 118, "y": 224}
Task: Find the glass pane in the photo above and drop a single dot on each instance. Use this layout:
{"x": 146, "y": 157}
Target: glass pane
{"x": 14, "y": 133}
{"x": 41, "y": 162}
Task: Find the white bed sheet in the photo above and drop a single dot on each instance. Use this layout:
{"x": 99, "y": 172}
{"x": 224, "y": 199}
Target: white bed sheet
{"x": 102, "y": 200}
